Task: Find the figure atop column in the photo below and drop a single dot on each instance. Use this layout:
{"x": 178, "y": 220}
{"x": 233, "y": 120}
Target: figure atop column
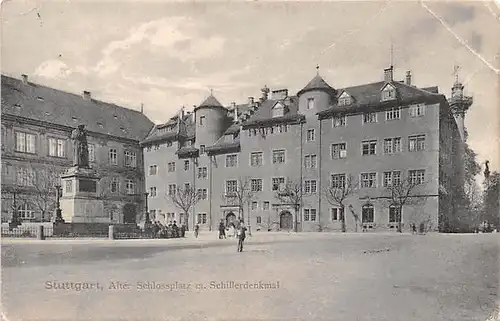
{"x": 80, "y": 147}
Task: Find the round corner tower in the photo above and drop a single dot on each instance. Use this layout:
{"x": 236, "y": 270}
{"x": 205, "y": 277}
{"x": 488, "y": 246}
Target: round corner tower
{"x": 316, "y": 95}
{"x": 210, "y": 119}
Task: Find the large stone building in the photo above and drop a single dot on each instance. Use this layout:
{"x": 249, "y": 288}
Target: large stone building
{"x": 36, "y": 125}
{"x": 372, "y": 136}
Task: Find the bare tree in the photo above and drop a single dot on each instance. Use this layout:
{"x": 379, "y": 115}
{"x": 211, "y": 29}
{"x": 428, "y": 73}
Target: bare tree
{"x": 43, "y": 192}
{"x": 243, "y": 195}
{"x": 292, "y": 193}
{"x": 404, "y": 192}
{"x": 339, "y": 189}
{"x": 356, "y": 217}
{"x": 184, "y": 198}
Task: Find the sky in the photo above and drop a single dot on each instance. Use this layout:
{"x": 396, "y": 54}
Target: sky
{"x": 165, "y": 55}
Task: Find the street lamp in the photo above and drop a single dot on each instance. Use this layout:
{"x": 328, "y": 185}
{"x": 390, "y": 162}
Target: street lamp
{"x": 58, "y": 213}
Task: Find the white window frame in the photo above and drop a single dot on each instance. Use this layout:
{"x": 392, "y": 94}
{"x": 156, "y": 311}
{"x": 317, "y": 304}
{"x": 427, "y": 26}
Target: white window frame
{"x": 153, "y": 170}
{"x": 310, "y": 161}
{"x": 393, "y": 113}
{"x": 416, "y": 143}
{"x": 416, "y": 110}
{"x": 370, "y": 144}
{"x": 260, "y": 155}
{"x": 57, "y": 147}
{"x": 372, "y": 118}
{"x": 336, "y": 214}
{"x": 92, "y": 153}
{"x": 172, "y": 189}
{"x": 276, "y": 157}
{"x": 130, "y": 158}
{"x": 186, "y": 164}
{"x": 308, "y": 214}
{"x": 130, "y": 186}
{"x": 342, "y": 147}
{"x": 308, "y": 186}
{"x": 369, "y": 179}
{"x": 114, "y": 185}
{"x": 113, "y": 156}
{"x": 391, "y": 178}
{"x": 171, "y": 167}
{"x": 416, "y": 176}
{"x": 25, "y": 142}
{"x": 153, "y": 191}
{"x": 202, "y": 120}
{"x": 372, "y": 208}
{"x": 276, "y": 186}
{"x": 256, "y": 185}
{"x": 310, "y": 103}
{"x": 339, "y": 121}
{"x": 310, "y": 135}
{"x": 226, "y": 187}
{"x": 338, "y": 180}
{"x": 231, "y": 164}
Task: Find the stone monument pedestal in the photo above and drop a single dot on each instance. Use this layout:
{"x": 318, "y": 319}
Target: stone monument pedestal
{"x": 79, "y": 201}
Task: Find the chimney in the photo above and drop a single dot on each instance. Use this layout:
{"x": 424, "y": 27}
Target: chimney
{"x": 142, "y": 108}
{"x": 408, "y": 78}
{"x": 233, "y": 105}
{"x": 388, "y": 74}
{"x": 235, "y": 115}
{"x": 280, "y": 94}
{"x": 86, "y": 95}
{"x": 25, "y": 79}
{"x": 265, "y": 92}
{"x": 250, "y": 100}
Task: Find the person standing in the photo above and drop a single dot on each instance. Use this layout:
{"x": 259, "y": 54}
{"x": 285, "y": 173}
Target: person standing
{"x": 196, "y": 230}
{"x": 241, "y": 236}
{"x": 222, "y": 230}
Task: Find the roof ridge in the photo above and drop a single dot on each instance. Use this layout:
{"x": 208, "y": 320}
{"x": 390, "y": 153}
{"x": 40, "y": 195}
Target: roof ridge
{"x": 419, "y": 89}
{"x": 72, "y": 94}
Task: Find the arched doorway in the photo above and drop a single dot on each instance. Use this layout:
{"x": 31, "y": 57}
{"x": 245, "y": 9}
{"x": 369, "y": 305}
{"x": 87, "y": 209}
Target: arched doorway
{"x": 129, "y": 213}
{"x": 286, "y": 220}
{"x": 230, "y": 218}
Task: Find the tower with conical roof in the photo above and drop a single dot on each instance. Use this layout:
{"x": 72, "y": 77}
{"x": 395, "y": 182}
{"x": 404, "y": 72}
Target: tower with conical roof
{"x": 211, "y": 120}
{"x": 317, "y": 95}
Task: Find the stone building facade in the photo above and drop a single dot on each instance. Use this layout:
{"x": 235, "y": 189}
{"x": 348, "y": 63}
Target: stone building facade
{"x": 36, "y": 147}
{"x": 372, "y": 135}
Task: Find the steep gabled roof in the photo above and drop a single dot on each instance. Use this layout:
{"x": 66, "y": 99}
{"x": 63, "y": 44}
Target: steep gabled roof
{"x": 211, "y": 101}
{"x": 158, "y": 134}
{"x": 54, "y": 106}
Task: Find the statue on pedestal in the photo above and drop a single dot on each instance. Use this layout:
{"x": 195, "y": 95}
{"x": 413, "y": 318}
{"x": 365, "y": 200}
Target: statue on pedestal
{"x": 80, "y": 147}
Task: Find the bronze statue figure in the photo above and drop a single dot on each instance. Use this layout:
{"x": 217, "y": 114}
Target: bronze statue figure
{"x": 80, "y": 147}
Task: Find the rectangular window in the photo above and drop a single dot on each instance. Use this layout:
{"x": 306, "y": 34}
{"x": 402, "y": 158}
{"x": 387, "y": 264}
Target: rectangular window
{"x": 310, "y": 161}
{"x": 25, "y": 176}
{"x": 256, "y": 185}
{"x": 259, "y": 219}
{"x": 114, "y": 185}
{"x": 416, "y": 143}
{"x": 368, "y": 180}
{"x": 113, "y": 156}
{"x": 393, "y": 113}
{"x": 369, "y": 118}
{"x": 256, "y": 159}
{"x": 337, "y": 214}
{"x": 310, "y": 103}
{"x": 310, "y": 186}
{"x": 202, "y": 120}
{"x": 202, "y": 172}
{"x": 394, "y": 214}
{"x": 310, "y": 214}
{"x": 417, "y": 110}
{"x": 367, "y": 214}
{"x": 279, "y": 156}
{"x": 369, "y": 147}
{"x": 276, "y": 182}
{"x": 202, "y": 149}
{"x": 171, "y": 167}
{"x": 231, "y": 187}
{"x": 26, "y": 143}
{"x": 130, "y": 159}
{"x": 91, "y": 152}
{"x": 392, "y": 178}
{"x": 130, "y": 186}
{"x": 417, "y": 176}
{"x": 338, "y": 181}
{"x": 186, "y": 165}
{"x": 202, "y": 193}
{"x": 266, "y": 206}
{"x": 255, "y": 206}
{"x": 152, "y": 191}
{"x": 153, "y": 170}
{"x": 202, "y": 218}
{"x": 392, "y": 145}
{"x": 339, "y": 151}
{"x": 172, "y": 189}
{"x": 310, "y": 135}
{"x": 339, "y": 121}
{"x": 57, "y": 147}
{"x": 232, "y": 160}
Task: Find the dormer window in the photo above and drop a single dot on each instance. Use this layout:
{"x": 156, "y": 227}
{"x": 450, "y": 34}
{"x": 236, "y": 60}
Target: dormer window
{"x": 388, "y": 93}
{"x": 344, "y": 99}
{"x": 310, "y": 103}
{"x": 278, "y": 110}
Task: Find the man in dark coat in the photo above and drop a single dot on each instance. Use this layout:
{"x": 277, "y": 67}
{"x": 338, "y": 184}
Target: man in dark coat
{"x": 222, "y": 230}
{"x": 241, "y": 236}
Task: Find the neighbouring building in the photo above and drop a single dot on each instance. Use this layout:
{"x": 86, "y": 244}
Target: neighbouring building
{"x": 375, "y": 136}
{"x": 36, "y": 147}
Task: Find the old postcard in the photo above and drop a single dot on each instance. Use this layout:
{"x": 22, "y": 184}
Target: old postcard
{"x": 250, "y": 160}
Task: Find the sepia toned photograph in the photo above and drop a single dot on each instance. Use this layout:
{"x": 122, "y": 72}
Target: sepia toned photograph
{"x": 250, "y": 160}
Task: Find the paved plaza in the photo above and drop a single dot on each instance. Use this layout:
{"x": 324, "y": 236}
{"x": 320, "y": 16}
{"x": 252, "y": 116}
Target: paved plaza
{"x": 279, "y": 276}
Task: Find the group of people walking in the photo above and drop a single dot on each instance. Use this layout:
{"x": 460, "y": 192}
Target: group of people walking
{"x": 171, "y": 230}
{"x": 236, "y": 230}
